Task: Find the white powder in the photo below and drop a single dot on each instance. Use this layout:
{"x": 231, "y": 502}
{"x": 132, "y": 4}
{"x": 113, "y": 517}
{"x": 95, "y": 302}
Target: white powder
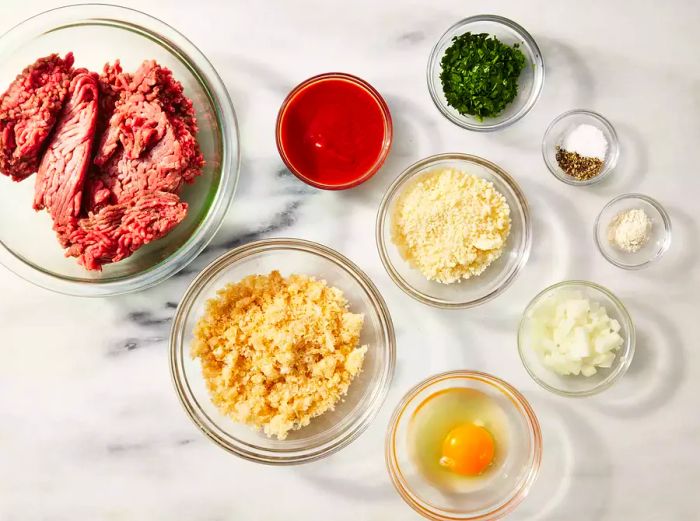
{"x": 630, "y": 230}
{"x": 586, "y": 140}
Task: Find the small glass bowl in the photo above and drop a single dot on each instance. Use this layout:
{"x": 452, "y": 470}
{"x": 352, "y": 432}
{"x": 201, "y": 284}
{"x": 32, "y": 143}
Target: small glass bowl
{"x": 653, "y": 250}
{"x": 557, "y": 130}
{"x": 98, "y": 34}
{"x": 388, "y": 130}
{"x": 476, "y": 290}
{"x": 327, "y": 433}
{"x": 579, "y": 385}
{"x": 529, "y": 84}
{"x": 500, "y": 496}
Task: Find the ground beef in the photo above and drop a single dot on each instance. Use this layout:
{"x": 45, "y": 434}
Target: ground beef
{"x": 28, "y": 110}
{"x": 59, "y": 182}
{"x": 163, "y": 168}
{"x": 113, "y": 81}
{"x": 151, "y": 98}
{"x": 150, "y": 141}
{"x": 121, "y": 150}
{"x": 148, "y": 146}
{"x": 116, "y": 231}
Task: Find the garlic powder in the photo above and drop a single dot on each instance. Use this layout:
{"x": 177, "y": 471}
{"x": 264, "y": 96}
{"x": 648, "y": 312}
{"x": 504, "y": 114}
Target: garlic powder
{"x": 630, "y": 230}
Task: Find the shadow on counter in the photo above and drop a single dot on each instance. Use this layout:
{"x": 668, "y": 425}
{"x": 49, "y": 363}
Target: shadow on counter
{"x": 656, "y": 370}
{"x": 576, "y": 470}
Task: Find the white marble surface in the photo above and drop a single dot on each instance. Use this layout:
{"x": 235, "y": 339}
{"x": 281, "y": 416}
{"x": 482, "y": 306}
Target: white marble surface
{"x": 90, "y": 427}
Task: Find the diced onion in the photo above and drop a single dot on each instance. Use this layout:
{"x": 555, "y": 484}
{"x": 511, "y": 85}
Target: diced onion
{"x": 574, "y": 335}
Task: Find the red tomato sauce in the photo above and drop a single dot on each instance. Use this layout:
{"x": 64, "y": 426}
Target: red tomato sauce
{"x": 334, "y": 131}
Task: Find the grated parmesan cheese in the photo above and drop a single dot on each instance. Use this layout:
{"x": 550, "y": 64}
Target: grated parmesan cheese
{"x": 450, "y": 225}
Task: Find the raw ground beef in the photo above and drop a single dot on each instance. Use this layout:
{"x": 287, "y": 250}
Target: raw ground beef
{"x": 28, "y": 111}
{"x": 59, "y": 182}
{"x": 150, "y": 142}
{"x": 163, "y": 167}
{"x": 148, "y": 146}
{"x": 117, "y": 231}
{"x": 122, "y": 148}
{"x": 113, "y": 81}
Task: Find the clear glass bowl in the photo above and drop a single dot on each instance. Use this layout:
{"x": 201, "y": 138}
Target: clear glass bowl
{"x": 579, "y": 385}
{"x": 476, "y": 290}
{"x": 558, "y": 129}
{"x": 659, "y": 241}
{"x": 494, "y": 500}
{"x": 388, "y": 130}
{"x": 529, "y": 84}
{"x": 98, "y": 34}
{"x": 327, "y": 433}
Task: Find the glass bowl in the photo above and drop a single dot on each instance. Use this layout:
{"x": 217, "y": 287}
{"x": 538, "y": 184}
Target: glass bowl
{"x": 327, "y": 433}
{"x": 579, "y": 385}
{"x": 494, "y": 500}
{"x": 476, "y": 290}
{"x": 98, "y": 34}
{"x": 386, "y": 144}
{"x": 659, "y": 241}
{"x": 529, "y": 84}
{"x": 557, "y": 130}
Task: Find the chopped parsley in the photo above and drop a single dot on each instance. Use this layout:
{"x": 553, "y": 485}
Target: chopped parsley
{"x": 480, "y": 74}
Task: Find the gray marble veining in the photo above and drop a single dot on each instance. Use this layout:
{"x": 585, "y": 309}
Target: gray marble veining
{"x": 90, "y": 426}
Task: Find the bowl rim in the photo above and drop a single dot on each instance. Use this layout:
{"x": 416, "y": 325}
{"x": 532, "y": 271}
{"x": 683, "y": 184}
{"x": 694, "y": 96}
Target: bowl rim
{"x": 393, "y": 190}
{"x": 524, "y": 408}
{"x": 227, "y": 126}
{"x": 664, "y": 217}
{"x": 627, "y": 352}
{"x": 613, "y": 145}
{"x": 386, "y": 115}
{"x": 281, "y": 456}
{"x": 434, "y": 61}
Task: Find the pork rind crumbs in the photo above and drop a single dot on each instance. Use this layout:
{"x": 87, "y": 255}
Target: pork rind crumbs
{"x": 450, "y": 225}
{"x": 277, "y": 352}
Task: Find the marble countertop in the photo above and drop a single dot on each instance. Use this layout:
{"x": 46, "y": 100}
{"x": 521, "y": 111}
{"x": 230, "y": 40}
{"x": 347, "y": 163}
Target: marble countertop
{"x": 90, "y": 426}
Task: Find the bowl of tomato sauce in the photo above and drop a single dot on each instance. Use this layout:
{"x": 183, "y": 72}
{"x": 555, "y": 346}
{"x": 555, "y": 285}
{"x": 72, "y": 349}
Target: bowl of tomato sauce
{"x": 334, "y": 131}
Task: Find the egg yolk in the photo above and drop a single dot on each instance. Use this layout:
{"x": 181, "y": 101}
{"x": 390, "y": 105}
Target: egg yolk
{"x": 467, "y": 450}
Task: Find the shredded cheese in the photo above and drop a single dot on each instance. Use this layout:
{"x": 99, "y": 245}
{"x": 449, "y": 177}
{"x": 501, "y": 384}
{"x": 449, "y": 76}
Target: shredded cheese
{"x": 450, "y": 225}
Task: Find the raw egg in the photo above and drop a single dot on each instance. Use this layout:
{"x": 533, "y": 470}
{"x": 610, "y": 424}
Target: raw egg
{"x": 468, "y": 450}
{"x": 459, "y": 439}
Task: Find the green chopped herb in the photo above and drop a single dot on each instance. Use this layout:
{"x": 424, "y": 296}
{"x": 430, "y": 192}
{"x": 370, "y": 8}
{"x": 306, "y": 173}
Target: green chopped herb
{"x": 480, "y": 74}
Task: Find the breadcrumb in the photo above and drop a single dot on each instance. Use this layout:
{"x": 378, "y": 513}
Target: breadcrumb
{"x": 450, "y": 225}
{"x": 277, "y": 352}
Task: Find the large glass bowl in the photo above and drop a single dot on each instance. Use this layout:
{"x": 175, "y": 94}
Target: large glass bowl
{"x": 476, "y": 290}
{"x": 497, "y": 497}
{"x": 578, "y": 385}
{"x": 97, "y": 34}
{"x": 530, "y": 81}
{"x": 334, "y": 429}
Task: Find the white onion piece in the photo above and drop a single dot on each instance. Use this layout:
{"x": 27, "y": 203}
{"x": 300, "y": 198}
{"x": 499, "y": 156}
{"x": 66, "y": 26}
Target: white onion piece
{"x": 574, "y": 335}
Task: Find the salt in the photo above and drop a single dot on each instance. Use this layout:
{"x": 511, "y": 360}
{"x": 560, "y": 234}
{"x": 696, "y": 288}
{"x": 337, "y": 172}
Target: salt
{"x": 587, "y": 141}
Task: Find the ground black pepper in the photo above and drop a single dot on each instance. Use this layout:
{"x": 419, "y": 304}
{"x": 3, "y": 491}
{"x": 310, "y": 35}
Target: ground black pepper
{"x": 577, "y": 166}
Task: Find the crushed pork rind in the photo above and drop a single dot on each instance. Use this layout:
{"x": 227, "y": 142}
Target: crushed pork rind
{"x": 277, "y": 352}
